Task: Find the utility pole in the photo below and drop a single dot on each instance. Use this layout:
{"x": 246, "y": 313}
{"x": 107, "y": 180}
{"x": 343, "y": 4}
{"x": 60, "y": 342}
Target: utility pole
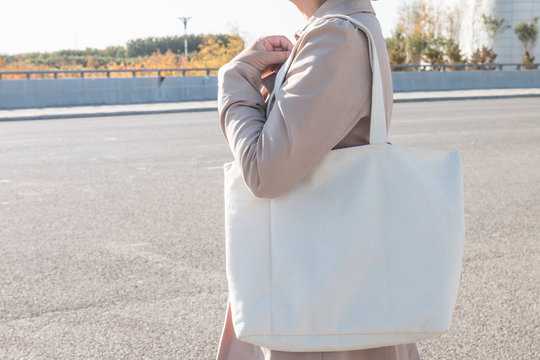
{"x": 185, "y": 20}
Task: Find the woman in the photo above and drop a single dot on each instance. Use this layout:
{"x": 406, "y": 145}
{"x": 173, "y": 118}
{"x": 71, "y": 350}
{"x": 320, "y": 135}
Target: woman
{"x": 323, "y": 105}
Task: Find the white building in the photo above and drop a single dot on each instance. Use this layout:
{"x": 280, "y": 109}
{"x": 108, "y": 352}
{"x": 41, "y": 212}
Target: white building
{"x": 508, "y": 46}
{"x": 472, "y": 31}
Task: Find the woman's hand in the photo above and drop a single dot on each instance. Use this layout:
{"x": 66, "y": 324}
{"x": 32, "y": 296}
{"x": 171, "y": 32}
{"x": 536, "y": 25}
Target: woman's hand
{"x": 267, "y": 53}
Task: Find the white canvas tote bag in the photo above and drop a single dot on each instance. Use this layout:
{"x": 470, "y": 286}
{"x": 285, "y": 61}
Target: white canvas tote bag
{"x": 364, "y": 252}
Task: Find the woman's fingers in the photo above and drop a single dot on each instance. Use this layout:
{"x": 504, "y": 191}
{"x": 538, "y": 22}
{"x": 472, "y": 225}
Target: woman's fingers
{"x": 272, "y": 43}
{"x": 278, "y": 49}
{"x": 266, "y": 51}
{"x": 276, "y": 57}
{"x": 286, "y": 44}
{"x": 268, "y": 61}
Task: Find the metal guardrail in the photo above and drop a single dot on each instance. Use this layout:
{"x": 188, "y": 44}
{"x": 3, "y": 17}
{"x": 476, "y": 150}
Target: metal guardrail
{"x": 107, "y": 72}
{"x": 134, "y": 72}
{"x": 481, "y": 67}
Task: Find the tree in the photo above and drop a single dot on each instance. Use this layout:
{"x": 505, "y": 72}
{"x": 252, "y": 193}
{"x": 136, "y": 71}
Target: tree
{"x": 453, "y": 22}
{"x": 436, "y": 50}
{"x": 443, "y": 50}
{"x": 484, "y": 55}
{"x": 148, "y": 46}
{"x": 527, "y": 35}
{"x": 495, "y": 26}
{"x": 396, "y": 47}
{"x": 162, "y": 52}
{"x": 414, "y": 21}
{"x": 161, "y": 61}
{"x": 426, "y": 32}
{"x": 215, "y": 51}
{"x": 117, "y": 52}
{"x": 92, "y": 63}
{"x": 453, "y": 53}
{"x": 417, "y": 42}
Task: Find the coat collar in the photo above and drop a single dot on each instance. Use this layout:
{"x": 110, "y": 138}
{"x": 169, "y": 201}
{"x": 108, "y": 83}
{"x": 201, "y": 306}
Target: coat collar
{"x": 345, "y": 7}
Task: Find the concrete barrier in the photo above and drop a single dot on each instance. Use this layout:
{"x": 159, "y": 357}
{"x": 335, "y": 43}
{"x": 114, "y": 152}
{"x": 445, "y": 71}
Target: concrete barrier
{"x": 465, "y": 80}
{"x": 36, "y": 93}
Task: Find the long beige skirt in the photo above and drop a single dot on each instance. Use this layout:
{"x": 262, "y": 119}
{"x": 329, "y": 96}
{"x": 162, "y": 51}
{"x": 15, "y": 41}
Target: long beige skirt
{"x": 230, "y": 348}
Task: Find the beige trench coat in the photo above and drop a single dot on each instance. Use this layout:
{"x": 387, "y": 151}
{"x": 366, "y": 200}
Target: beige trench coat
{"x": 324, "y": 104}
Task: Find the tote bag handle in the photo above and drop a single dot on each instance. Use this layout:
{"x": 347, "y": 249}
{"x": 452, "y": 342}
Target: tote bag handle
{"x": 377, "y": 132}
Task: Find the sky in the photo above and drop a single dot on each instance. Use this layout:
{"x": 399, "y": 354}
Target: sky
{"x": 50, "y": 25}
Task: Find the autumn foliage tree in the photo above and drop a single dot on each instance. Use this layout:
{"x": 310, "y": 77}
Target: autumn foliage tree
{"x": 213, "y": 51}
{"x": 414, "y": 20}
{"x": 484, "y": 55}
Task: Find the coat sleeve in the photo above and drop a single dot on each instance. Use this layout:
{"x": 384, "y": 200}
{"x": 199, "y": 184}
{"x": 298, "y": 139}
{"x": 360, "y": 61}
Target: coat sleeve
{"x": 327, "y": 90}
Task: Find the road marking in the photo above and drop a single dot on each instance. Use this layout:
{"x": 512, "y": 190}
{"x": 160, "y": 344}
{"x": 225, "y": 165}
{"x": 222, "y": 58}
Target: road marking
{"x": 4, "y": 181}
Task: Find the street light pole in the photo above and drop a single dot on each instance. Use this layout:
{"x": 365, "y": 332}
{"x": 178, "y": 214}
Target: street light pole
{"x": 185, "y": 20}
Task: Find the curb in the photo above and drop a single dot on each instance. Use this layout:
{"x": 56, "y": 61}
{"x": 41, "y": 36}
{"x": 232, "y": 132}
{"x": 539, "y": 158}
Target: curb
{"x": 103, "y": 114}
{"x": 472, "y": 97}
{"x": 214, "y": 108}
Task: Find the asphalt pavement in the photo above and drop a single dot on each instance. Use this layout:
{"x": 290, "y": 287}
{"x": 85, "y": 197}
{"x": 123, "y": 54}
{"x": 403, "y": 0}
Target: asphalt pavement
{"x": 112, "y": 241}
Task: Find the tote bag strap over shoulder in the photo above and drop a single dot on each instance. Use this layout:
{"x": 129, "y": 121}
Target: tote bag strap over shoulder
{"x": 378, "y": 134}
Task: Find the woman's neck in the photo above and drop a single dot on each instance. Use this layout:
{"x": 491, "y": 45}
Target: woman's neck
{"x": 308, "y": 7}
